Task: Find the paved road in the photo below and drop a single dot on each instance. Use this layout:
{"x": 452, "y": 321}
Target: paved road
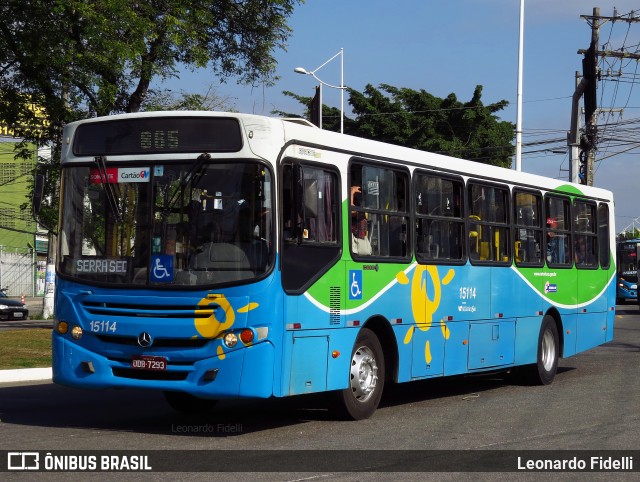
{"x": 592, "y": 405}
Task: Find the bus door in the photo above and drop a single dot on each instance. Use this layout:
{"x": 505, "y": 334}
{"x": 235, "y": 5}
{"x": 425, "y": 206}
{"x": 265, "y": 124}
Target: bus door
{"x": 592, "y": 302}
{"x": 492, "y": 328}
{"x": 312, "y": 276}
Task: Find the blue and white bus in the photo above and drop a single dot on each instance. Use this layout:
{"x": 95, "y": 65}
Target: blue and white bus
{"x": 220, "y": 255}
{"x": 627, "y": 283}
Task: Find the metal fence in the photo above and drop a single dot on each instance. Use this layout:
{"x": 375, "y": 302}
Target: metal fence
{"x": 18, "y": 271}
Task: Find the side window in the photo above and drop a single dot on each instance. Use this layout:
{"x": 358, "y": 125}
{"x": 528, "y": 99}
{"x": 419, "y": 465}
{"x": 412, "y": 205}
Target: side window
{"x": 439, "y": 219}
{"x": 488, "y": 217}
{"x": 585, "y": 235}
{"x": 528, "y": 228}
{"x": 379, "y": 211}
{"x": 603, "y": 235}
{"x": 316, "y": 221}
{"x": 320, "y": 206}
{"x": 310, "y": 236}
{"x": 558, "y": 231}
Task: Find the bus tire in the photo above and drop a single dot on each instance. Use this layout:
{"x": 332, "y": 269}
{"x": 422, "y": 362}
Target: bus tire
{"x": 366, "y": 378}
{"x": 544, "y": 370}
{"x": 187, "y": 403}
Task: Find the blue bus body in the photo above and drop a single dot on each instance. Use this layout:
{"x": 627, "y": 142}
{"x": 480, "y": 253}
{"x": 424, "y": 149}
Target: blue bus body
{"x": 627, "y": 276}
{"x": 228, "y": 268}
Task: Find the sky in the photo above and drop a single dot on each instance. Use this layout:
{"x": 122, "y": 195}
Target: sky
{"x": 451, "y": 46}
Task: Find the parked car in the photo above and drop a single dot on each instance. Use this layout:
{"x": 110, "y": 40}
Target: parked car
{"x": 12, "y": 309}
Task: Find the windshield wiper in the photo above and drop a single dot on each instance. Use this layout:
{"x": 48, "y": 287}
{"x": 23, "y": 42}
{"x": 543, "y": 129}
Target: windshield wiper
{"x": 101, "y": 162}
{"x": 192, "y": 176}
{"x": 195, "y": 173}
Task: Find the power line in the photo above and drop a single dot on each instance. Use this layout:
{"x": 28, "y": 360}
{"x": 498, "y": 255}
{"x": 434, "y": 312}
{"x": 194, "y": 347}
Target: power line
{"x": 605, "y": 67}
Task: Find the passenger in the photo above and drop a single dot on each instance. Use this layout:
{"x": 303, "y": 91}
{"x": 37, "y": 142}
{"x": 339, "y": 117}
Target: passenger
{"x": 360, "y": 243}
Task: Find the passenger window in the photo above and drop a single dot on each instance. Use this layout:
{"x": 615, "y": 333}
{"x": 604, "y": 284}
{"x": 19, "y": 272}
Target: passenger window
{"x": 528, "y": 228}
{"x": 439, "y": 220}
{"x": 311, "y": 232}
{"x": 379, "y": 211}
{"x": 558, "y": 231}
{"x": 586, "y": 236}
{"x": 489, "y": 232}
{"x": 603, "y": 235}
{"x": 316, "y": 221}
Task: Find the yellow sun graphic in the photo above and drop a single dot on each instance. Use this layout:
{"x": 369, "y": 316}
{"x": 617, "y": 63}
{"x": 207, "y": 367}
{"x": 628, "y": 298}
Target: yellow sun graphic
{"x": 211, "y": 327}
{"x": 422, "y": 306}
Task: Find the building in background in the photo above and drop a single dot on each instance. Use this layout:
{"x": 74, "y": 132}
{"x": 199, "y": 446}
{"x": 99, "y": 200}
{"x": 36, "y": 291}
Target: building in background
{"x": 23, "y": 247}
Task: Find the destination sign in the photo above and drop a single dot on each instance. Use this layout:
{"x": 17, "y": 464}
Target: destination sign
{"x": 101, "y": 266}
{"x": 156, "y": 135}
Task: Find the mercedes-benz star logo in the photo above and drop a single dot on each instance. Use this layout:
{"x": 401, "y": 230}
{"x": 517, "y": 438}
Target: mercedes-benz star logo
{"x": 145, "y": 340}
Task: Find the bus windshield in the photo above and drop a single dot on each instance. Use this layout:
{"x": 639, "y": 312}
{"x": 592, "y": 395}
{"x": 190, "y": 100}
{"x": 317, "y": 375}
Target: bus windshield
{"x": 201, "y": 223}
{"x": 628, "y": 261}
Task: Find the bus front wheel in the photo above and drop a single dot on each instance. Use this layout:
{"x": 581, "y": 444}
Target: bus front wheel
{"x": 544, "y": 370}
{"x": 186, "y": 403}
{"x": 366, "y": 378}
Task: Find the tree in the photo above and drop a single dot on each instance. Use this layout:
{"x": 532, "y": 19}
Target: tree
{"x": 330, "y": 115}
{"x": 76, "y": 59}
{"x": 102, "y": 56}
{"x": 420, "y": 120}
{"x": 167, "y": 100}
{"x": 624, "y": 235}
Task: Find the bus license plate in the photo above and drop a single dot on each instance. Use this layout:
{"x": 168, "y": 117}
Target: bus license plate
{"x": 154, "y": 363}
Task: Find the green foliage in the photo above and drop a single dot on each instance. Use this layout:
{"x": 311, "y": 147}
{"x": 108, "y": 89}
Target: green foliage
{"x": 422, "y": 121}
{"x": 75, "y": 59}
{"x": 624, "y": 235}
{"x": 100, "y": 57}
{"x": 167, "y": 100}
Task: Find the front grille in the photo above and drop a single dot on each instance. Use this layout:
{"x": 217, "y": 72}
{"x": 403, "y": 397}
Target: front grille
{"x": 157, "y": 342}
{"x": 183, "y": 310}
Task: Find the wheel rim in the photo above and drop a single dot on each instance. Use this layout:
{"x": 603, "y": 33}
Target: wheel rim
{"x": 548, "y": 350}
{"x": 364, "y": 374}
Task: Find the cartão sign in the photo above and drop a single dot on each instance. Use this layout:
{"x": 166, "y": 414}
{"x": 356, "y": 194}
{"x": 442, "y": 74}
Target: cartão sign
{"x": 114, "y": 175}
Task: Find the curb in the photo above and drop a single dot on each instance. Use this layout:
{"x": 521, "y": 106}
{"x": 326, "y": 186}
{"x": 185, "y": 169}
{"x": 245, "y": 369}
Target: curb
{"x": 25, "y": 375}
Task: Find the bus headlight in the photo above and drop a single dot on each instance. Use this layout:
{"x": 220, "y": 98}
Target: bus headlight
{"x": 230, "y": 340}
{"x": 76, "y": 332}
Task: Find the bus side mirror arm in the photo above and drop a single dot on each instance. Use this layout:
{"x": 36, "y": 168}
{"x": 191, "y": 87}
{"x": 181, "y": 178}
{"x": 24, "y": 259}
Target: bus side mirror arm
{"x": 37, "y": 198}
{"x": 38, "y": 195}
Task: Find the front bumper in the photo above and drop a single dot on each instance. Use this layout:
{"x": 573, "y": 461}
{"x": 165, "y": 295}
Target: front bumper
{"x": 247, "y": 372}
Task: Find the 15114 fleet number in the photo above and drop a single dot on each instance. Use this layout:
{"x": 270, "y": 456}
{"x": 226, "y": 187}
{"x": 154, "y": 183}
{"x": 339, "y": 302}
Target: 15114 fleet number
{"x": 103, "y": 326}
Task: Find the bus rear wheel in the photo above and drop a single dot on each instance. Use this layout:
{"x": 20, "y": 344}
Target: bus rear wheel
{"x": 186, "y": 403}
{"x": 544, "y": 370}
{"x": 366, "y": 378}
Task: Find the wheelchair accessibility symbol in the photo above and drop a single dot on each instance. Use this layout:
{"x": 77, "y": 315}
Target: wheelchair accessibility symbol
{"x": 355, "y": 288}
{"x": 162, "y": 268}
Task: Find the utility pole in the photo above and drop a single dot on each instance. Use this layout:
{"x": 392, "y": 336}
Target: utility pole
{"x": 590, "y": 74}
{"x": 582, "y": 171}
{"x": 573, "y": 136}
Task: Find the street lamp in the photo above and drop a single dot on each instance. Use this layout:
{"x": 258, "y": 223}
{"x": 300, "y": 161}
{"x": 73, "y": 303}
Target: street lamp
{"x": 341, "y": 87}
{"x": 519, "y": 92}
